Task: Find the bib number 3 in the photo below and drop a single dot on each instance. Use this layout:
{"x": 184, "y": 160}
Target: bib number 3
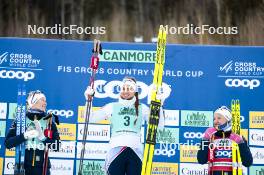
{"x": 127, "y": 121}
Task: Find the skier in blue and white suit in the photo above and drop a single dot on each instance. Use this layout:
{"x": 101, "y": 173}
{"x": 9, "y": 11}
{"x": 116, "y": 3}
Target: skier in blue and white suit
{"x": 37, "y": 134}
{"x": 126, "y": 117}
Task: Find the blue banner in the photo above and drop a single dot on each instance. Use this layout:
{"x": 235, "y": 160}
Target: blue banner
{"x": 197, "y": 80}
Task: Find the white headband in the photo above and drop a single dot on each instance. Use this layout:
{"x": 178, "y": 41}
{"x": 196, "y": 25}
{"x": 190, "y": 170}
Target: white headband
{"x": 224, "y": 112}
{"x": 130, "y": 83}
{"x": 33, "y": 99}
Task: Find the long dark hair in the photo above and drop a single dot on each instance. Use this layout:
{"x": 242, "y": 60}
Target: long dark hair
{"x": 136, "y": 106}
{"x": 137, "y": 100}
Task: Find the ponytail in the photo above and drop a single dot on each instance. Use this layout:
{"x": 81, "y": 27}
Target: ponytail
{"x": 136, "y": 106}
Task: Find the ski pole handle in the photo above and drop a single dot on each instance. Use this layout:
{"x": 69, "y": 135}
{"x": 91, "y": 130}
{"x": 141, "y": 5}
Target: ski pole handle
{"x": 48, "y": 133}
{"x": 94, "y": 62}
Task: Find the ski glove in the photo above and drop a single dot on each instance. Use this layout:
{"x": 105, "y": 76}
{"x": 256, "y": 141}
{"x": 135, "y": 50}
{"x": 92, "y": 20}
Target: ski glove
{"x": 236, "y": 138}
{"x": 208, "y": 133}
{"x": 31, "y": 134}
{"x": 38, "y": 127}
{"x": 48, "y": 133}
{"x": 160, "y": 95}
{"x": 89, "y": 92}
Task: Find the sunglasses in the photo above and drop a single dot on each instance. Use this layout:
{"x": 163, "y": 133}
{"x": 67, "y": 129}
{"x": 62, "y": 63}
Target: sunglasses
{"x": 33, "y": 93}
{"x": 224, "y": 107}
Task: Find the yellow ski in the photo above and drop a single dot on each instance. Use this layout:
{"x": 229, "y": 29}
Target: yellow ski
{"x": 155, "y": 104}
{"x": 236, "y": 127}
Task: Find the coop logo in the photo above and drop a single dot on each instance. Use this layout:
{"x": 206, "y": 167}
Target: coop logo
{"x": 104, "y": 89}
{"x": 251, "y": 84}
{"x": 193, "y": 135}
{"x": 21, "y": 75}
{"x": 223, "y": 154}
{"x": 62, "y": 113}
{"x": 226, "y": 68}
{"x": 3, "y": 57}
{"x": 165, "y": 150}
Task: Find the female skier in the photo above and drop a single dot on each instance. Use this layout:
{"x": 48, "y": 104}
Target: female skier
{"x": 37, "y": 134}
{"x": 126, "y": 117}
{"x": 216, "y": 145}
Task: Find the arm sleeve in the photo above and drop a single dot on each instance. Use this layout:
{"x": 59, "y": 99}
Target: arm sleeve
{"x": 146, "y": 113}
{"x": 12, "y": 140}
{"x": 202, "y": 154}
{"x": 245, "y": 153}
{"x": 102, "y": 114}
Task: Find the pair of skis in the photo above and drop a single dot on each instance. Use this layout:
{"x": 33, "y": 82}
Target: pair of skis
{"x": 155, "y": 104}
{"x": 236, "y": 127}
{"x": 20, "y": 129}
{"x": 94, "y": 66}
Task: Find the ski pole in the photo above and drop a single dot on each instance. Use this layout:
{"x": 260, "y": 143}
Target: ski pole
{"x": 94, "y": 66}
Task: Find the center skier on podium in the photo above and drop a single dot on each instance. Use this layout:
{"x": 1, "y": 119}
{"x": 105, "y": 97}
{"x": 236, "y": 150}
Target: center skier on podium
{"x": 126, "y": 118}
